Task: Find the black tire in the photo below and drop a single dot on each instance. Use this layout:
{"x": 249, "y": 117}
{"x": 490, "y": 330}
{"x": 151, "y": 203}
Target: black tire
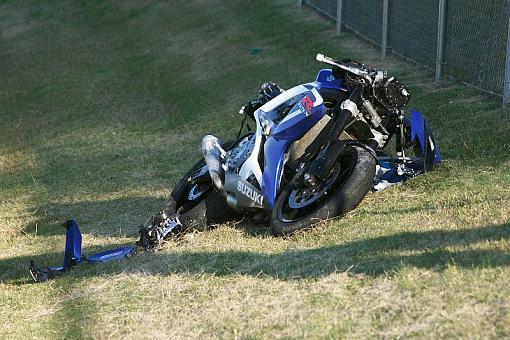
{"x": 207, "y": 209}
{"x": 350, "y": 184}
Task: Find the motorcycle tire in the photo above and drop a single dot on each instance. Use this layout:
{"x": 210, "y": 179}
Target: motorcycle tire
{"x": 347, "y": 186}
{"x": 208, "y": 208}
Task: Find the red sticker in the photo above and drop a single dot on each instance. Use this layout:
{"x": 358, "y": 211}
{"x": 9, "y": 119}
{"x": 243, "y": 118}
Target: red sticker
{"x": 307, "y": 104}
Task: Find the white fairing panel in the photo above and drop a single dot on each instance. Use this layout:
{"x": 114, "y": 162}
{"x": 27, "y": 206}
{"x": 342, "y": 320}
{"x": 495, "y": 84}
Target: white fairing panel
{"x": 282, "y": 98}
{"x": 318, "y": 101}
{"x": 251, "y": 165}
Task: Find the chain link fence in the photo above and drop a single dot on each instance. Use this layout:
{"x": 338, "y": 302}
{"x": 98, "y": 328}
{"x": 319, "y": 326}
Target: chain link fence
{"x": 362, "y": 19}
{"x": 474, "y": 38}
{"x": 413, "y": 30}
{"x": 476, "y": 42}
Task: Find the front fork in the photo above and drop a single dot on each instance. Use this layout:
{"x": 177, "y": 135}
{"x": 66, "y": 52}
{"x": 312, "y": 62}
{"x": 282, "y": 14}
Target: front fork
{"x": 401, "y": 138}
{"x": 322, "y": 166}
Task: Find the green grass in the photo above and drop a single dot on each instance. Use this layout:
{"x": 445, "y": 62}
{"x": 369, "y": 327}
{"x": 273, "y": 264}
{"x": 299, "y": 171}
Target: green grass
{"x": 103, "y": 105}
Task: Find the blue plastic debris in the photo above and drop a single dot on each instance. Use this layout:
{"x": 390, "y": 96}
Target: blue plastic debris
{"x": 110, "y": 255}
{"x": 73, "y": 255}
{"x": 72, "y": 252}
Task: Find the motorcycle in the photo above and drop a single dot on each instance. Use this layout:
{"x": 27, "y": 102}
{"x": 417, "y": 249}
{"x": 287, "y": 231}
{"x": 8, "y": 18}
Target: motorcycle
{"x": 312, "y": 156}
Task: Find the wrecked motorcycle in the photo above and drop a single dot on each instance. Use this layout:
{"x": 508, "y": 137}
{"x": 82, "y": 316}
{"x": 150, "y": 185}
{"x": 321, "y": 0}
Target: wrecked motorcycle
{"x": 317, "y": 150}
{"x": 313, "y": 155}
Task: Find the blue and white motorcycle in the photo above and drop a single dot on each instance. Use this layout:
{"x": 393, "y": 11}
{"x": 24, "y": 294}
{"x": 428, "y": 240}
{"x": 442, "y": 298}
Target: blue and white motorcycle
{"x": 312, "y": 156}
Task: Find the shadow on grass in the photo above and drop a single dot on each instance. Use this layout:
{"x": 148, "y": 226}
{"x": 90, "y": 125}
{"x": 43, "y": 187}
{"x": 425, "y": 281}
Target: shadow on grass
{"x": 375, "y": 256}
{"x": 433, "y": 250}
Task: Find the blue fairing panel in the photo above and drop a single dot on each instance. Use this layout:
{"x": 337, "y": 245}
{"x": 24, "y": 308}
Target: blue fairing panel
{"x": 273, "y": 161}
{"x": 110, "y": 255}
{"x": 418, "y": 129}
{"x": 326, "y": 79}
{"x": 72, "y": 252}
{"x": 294, "y": 126}
{"x": 420, "y": 132}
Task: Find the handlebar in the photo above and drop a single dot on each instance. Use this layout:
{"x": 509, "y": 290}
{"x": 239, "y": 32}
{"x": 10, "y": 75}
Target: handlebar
{"x": 371, "y": 75}
{"x": 354, "y": 70}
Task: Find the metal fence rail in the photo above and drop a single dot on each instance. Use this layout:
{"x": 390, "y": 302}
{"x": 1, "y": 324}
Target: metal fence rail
{"x": 465, "y": 40}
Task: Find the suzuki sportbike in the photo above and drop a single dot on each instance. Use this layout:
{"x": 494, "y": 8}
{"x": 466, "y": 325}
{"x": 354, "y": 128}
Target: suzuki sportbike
{"x": 312, "y": 156}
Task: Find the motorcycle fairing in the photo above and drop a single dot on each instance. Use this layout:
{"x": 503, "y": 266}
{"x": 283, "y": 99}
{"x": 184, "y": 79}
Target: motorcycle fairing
{"x": 394, "y": 171}
{"x": 420, "y": 132}
{"x": 305, "y": 113}
{"x": 110, "y": 255}
{"x": 326, "y": 79}
{"x": 73, "y": 256}
{"x": 246, "y": 194}
{"x": 266, "y": 114}
{"x": 72, "y": 252}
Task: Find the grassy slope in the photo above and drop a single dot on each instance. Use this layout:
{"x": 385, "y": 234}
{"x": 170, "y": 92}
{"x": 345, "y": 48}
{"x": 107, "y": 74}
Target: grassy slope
{"x": 103, "y": 105}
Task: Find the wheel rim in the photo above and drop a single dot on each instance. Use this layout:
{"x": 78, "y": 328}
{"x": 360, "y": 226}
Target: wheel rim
{"x": 299, "y": 204}
{"x": 197, "y": 191}
{"x": 302, "y": 197}
{"x": 194, "y": 192}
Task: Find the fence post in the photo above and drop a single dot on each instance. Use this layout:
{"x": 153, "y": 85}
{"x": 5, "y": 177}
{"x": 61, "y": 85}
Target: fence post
{"x": 506, "y": 83}
{"x": 441, "y": 28}
{"x": 339, "y": 10}
{"x": 385, "y": 21}
{"x": 300, "y": 3}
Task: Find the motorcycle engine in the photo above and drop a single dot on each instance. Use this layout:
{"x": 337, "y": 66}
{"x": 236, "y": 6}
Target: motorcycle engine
{"x": 240, "y": 154}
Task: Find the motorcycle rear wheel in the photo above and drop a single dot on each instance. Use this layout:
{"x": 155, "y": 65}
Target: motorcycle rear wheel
{"x": 351, "y": 179}
{"x": 199, "y": 205}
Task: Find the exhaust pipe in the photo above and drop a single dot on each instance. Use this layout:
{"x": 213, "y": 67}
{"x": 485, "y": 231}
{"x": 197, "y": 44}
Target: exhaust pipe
{"x": 232, "y": 202}
{"x": 213, "y": 153}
